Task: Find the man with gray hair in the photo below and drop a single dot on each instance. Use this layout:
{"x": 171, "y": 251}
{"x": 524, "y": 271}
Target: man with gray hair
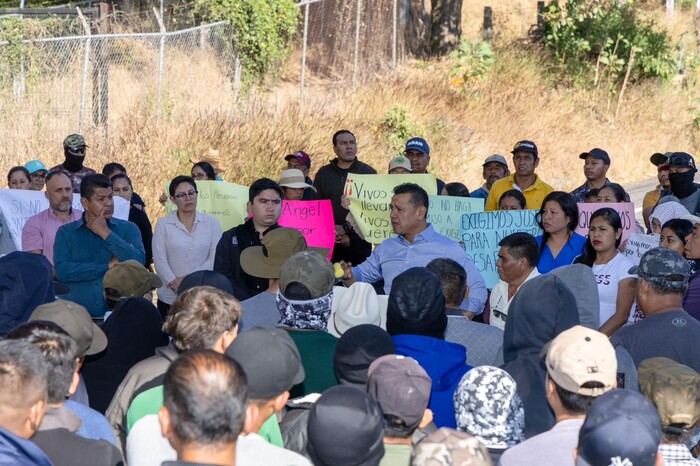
{"x": 495, "y": 168}
{"x": 667, "y": 330}
{"x": 23, "y": 392}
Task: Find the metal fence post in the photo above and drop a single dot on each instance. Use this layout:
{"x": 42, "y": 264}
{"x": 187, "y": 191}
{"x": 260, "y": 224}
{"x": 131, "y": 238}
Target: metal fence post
{"x": 161, "y": 61}
{"x": 236, "y": 81}
{"x": 86, "y": 68}
{"x": 487, "y": 33}
{"x": 670, "y": 4}
{"x": 357, "y": 42}
{"x": 303, "y": 51}
{"x": 394, "y": 33}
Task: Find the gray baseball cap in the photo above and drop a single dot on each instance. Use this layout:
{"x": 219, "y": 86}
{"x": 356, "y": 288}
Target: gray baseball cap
{"x": 663, "y": 267}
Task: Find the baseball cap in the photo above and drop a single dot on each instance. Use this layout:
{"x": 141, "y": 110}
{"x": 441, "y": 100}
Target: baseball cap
{"x": 346, "y": 427}
{"x": 74, "y": 140}
{"x": 357, "y": 348}
{"x": 301, "y": 156}
{"x": 682, "y": 160}
{"x": 663, "y": 267}
{"x": 270, "y": 360}
{"x": 449, "y": 447}
{"x": 400, "y": 162}
{"x": 620, "y": 424}
{"x": 76, "y": 321}
{"x": 401, "y": 387}
{"x": 674, "y": 389}
{"x": 525, "y": 146}
{"x": 660, "y": 159}
{"x": 130, "y": 278}
{"x": 34, "y": 166}
{"x": 418, "y": 144}
{"x": 495, "y": 158}
{"x": 206, "y": 278}
{"x": 294, "y": 178}
{"x": 598, "y": 154}
{"x": 310, "y": 269}
{"x": 278, "y": 245}
{"x": 580, "y": 355}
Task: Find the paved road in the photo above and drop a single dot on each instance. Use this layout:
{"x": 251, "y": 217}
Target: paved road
{"x": 637, "y": 192}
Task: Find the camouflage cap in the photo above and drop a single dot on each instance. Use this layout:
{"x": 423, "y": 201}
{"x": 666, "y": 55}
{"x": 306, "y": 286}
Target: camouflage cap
{"x": 663, "y": 267}
{"x": 674, "y": 389}
{"x": 449, "y": 447}
{"x": 74, "y": 140}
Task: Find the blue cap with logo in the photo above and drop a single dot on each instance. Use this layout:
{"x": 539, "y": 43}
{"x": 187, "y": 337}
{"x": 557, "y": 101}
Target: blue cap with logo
{"x": 621, "y": 428}
{"x": 663, "y": 267}
{"x": 34, "y": 166}
{"x": 418, "y": 144}
{"x": 525, "y": 146}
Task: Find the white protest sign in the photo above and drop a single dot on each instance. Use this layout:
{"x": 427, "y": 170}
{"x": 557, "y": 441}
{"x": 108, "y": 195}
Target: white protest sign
{"x": 445, "y": 214}
{"x": 638, "y": 244}
{"x": 17, "y": 205}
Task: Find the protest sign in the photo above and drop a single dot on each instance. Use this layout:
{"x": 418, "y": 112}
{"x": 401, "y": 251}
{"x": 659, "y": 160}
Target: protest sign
{"x": 445, "y": 214}
{"x": 370, "y": 196}
{"x": 625, "y": 209}
{"x": 638, "y": 244}
{"x": 313, "y": 219}
{"x": 17, "y": 205}
{"x": 224, "y": 201}
{"x": 482, "y": 231}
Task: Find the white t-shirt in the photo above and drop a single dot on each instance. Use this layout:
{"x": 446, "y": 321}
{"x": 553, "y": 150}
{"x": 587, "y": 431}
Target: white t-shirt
{"x": 499, "y": 301}
{"x": 608, "y": 276}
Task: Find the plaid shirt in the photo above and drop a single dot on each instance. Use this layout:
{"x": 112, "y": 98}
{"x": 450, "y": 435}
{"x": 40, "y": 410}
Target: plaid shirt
{"x": 677, "y": 454}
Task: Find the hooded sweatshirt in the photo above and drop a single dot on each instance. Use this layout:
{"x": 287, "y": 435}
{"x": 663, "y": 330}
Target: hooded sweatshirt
{"x": 416, "y": 319}
{"x": 542, "y": 309}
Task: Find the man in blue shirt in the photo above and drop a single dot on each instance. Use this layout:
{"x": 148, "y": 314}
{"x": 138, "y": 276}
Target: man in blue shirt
{"x": 85, "y": 249}
{"x": 417, "y": 244}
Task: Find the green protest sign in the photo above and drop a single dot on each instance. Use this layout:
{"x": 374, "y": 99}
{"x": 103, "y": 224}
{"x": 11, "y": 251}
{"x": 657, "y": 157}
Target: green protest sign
{"x": 445, "y": 214}
{"x": 225, "y": 201}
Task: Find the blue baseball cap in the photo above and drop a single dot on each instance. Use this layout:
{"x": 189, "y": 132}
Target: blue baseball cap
{"x": 34, "y": 166}
{"x": 418, "y": 144}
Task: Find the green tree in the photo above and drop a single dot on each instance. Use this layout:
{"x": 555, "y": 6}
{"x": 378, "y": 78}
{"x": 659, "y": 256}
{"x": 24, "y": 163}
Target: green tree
{"x": 263, "y": 30}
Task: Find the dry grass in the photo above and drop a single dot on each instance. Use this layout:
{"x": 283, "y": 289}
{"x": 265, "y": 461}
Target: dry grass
{"x": 518, "y": 101}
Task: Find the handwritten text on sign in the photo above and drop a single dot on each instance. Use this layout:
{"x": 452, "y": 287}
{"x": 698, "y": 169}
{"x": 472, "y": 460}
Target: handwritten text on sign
{"x": 445, "y": 214}
{"x": 225, "y": 201}
{"x": 638, "y": 244}
{"x": 625, "y": 209}
{"x": 17, "y": 205}
{"x": 313, "y": 219}
{"x": 370, "y": 197}
{"x": 482, "y": 231}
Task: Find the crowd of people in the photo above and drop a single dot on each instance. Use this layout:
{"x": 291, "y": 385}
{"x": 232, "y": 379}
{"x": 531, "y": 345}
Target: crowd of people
{"x": 256, "y": 349}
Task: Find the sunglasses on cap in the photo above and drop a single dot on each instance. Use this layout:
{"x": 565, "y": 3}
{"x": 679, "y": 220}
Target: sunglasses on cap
{"x": 77, "y": 149}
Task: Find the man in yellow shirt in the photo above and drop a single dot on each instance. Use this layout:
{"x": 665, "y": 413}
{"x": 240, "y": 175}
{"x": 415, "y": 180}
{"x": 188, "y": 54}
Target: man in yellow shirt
{"x": 524, "y": 178}
{"x": 662, "y": 189}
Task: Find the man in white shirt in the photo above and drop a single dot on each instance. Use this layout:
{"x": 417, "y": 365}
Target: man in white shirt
{"x": 516, "y": 264}
{"x": 581, "y": 365}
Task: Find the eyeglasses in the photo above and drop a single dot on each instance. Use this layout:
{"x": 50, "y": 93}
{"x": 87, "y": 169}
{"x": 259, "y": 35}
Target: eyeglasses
{"x": 188, "y": 194}
{"x": 38, "y": 176}
{"x": 200, "y": 176}
{"x": 499, "y": 315}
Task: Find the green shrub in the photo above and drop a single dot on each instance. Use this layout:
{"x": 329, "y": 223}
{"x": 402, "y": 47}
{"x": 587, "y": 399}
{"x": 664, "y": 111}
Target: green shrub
{"x": 263, "y": 30}
{"x": 596, "y": 38}
{"x": 396, "y": 127}
{"x": 473, "y": 60}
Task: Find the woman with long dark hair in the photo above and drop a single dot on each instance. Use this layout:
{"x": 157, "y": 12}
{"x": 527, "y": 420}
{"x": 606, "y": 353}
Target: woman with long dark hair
{"x": 559, "y": 243}
{"x": 616, "y": 286}
{"x": 673, "y": 234}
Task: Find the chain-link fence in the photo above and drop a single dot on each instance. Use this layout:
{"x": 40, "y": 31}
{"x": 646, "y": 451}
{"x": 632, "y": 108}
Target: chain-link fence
{"x": 71, "y": 84}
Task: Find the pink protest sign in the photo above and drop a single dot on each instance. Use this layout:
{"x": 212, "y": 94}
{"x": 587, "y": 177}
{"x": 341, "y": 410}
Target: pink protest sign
{"x": 625, "y": 209}
{"x": 314, "y": 219}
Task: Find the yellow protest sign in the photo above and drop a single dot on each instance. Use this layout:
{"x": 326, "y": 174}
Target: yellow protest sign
{"x": 225, "y": 201}
{"x": 370, "y": 196}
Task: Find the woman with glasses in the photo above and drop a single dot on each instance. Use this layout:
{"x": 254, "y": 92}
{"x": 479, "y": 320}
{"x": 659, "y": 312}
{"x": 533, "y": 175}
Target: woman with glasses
{"x": 184, "y": 241}
{"x": 203, "y": 171}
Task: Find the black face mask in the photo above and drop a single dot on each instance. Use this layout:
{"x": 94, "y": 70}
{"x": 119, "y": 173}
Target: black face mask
{"x": 73, "y": 163}
{"x": 682, "y": 184}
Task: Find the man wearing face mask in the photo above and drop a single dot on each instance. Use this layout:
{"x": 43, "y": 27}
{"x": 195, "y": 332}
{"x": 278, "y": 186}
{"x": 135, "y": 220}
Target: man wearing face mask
{"x": 681, "y": 175}
{"x": 74, "y": 150}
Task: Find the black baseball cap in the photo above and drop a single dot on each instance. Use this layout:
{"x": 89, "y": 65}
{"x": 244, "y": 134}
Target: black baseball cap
{"x": 660, "y": 159}
{"x": 525, "y": 146}
{"x": 598, "y": 154}
{"x": 682, "y": 160}
{"x": 270, "y": 360}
